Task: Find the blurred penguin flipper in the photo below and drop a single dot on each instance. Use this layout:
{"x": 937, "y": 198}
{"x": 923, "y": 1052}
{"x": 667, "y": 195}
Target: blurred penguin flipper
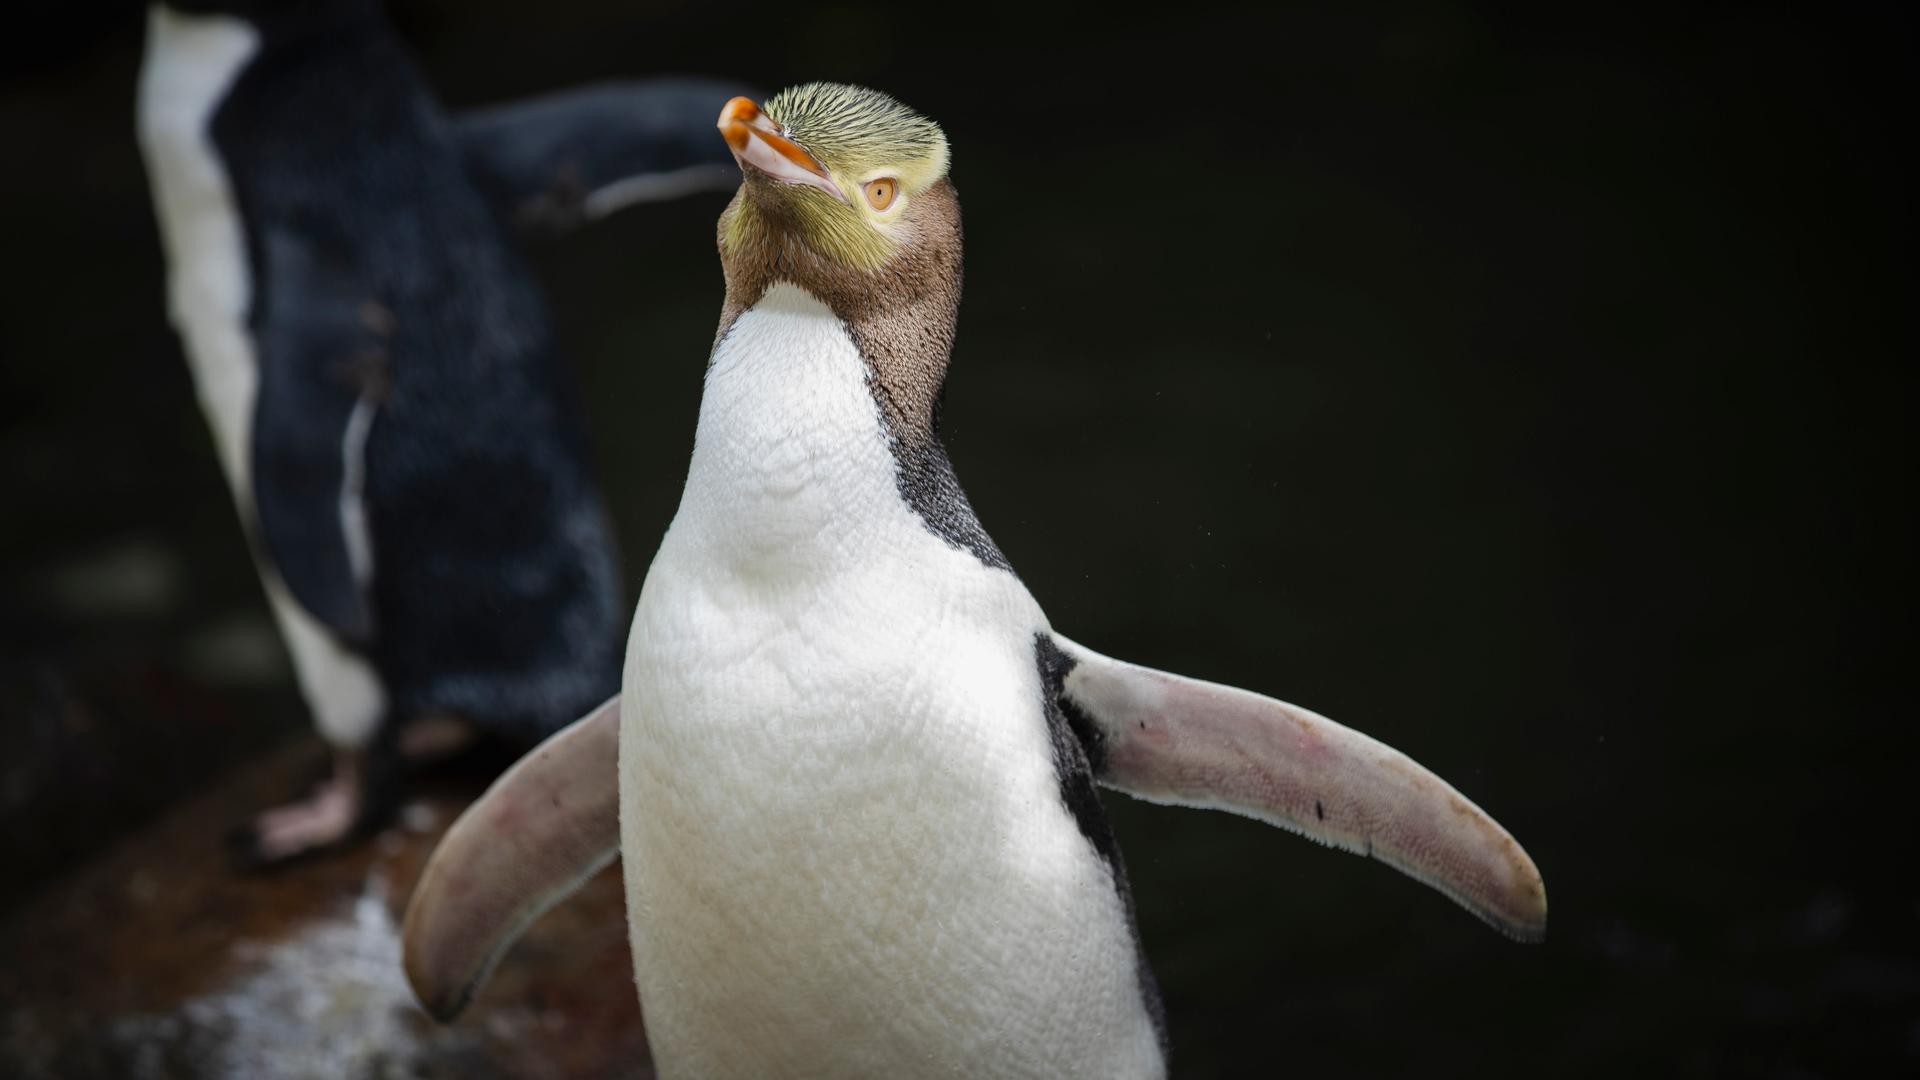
{"x": 558, "y": 160}
{"x": 1183, "y": 742}
{"x": 539, "y": 833}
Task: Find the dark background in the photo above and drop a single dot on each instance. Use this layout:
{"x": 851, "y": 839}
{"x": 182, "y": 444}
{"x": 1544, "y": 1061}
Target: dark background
{"x": 1530, "y": 391}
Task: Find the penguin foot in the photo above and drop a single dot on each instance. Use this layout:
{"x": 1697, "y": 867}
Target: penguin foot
{"x": 335, "y": 811}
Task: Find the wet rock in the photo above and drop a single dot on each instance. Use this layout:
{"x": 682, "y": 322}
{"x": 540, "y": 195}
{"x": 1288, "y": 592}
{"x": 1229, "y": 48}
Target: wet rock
{"x": 157, "y": 960}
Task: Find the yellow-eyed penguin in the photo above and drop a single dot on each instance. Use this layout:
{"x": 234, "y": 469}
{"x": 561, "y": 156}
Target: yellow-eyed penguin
{"x": 379, "y": 374}
{"x": 856, "y": 766}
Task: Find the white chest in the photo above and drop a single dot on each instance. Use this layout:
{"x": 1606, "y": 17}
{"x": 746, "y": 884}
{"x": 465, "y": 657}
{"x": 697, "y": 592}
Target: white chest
{"x": 191, "y": 62}
{"x": 845, "y": 846}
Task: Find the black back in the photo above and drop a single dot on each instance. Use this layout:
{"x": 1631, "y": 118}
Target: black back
{"x": 381, "y": 276}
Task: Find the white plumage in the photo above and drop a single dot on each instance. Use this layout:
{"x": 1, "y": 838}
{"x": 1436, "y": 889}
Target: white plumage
{"x": 191, "y": 63}
{"x": 845, "y": 841}
{"x": 855, "y": 766}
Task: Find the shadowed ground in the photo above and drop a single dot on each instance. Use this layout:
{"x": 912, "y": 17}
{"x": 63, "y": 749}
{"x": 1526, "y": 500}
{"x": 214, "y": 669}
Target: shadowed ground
{"x": 156, "y": 960}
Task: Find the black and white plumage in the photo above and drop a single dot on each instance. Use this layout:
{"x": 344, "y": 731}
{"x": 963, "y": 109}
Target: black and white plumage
{"x": 854, "y": 792}
{"x": 378, "y": 367}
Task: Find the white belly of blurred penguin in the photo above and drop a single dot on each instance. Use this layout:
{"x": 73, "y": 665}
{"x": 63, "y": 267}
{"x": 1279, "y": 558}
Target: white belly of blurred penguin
{"x": 846, "y": 846}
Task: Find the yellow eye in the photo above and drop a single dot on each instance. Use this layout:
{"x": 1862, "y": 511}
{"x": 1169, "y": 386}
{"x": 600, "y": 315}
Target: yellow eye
{"x": 880, "y": 192}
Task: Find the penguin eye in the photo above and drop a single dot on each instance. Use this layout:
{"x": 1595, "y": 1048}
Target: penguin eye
{"x": 880, "y": 192}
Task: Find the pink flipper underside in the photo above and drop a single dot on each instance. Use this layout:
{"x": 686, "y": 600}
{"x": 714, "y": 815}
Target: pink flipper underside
{"x": 543, "y": 828}
{"x": 1170, "y": 739}
{"x": 552, "y": 821}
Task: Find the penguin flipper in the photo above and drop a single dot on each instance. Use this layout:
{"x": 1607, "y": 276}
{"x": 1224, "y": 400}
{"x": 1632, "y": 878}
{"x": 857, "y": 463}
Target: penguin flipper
{"x": 561, "y": 159}
{"x": 540, "y": 832}
{"x": 1183, "y": 742}
{"x": 323, "y": 344}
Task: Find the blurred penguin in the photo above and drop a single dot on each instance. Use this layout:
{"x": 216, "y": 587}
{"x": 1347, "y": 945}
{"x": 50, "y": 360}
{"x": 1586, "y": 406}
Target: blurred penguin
{"x": 379, "y": 373}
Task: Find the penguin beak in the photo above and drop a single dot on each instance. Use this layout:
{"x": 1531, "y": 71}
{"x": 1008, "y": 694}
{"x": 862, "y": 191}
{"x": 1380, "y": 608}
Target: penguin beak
{"x": 759, "y": 144}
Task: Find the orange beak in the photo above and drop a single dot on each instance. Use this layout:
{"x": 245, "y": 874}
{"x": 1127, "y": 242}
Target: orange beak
{"x": 758, "y": 144}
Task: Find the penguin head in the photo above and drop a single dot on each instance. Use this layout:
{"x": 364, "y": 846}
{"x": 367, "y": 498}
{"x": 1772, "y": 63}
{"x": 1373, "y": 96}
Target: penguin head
{"x": 839, "y": 174}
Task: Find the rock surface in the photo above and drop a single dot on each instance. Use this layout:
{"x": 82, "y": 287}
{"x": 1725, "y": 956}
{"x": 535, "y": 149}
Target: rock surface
{"x": 155, "y": 959}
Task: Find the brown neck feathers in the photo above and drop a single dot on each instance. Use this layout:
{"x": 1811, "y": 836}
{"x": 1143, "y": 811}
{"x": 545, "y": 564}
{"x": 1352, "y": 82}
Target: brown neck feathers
{"x": 901, "y": 316}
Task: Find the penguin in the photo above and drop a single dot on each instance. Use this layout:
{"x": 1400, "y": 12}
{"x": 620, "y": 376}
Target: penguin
{"x": 379, "y": 374}
{"x": 852, "y": 772}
